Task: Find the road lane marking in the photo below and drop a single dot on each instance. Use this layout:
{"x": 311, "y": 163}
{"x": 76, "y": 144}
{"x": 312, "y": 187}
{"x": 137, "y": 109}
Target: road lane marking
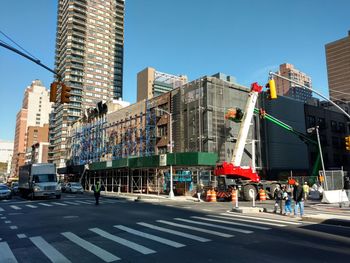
{"x": 208, "y": 210}
{"x": 53, "y": 254}
{"x": 8, "y": 222}
{"x": 215, "y": 226}
{"x": 175, "y": 232}
{"x": 44, "y": 204}
{"x": 6, "y": 253}
{"x": 32, "y": 206}
{"x": 264, "y": 219}
{"x": 196, "y": 229}
{"x": 21, "y": 235}
{"x": 250, "y": 221}
{"x": 15, "y": 207}
{"x": 152, "y": 237}
{"x": 3, "y": 217}
{"x": 231, "y": 223}
{"x": 97, "y": 251}
{"x": 1, "y": 209}
{"x": 139, "y": 248}
{"x": 70, "y": 203}
{"x": 83, "y": 202}
{"x": 13, "y": 227}
{"x": 57, "y": 203}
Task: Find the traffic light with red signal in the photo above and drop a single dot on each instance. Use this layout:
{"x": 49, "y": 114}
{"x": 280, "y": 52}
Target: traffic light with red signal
{"x": 53, "y": 91}
{"x": 65, "y": 93}
{"x": 271, "y": 86}
{"x": 347, "y": 143}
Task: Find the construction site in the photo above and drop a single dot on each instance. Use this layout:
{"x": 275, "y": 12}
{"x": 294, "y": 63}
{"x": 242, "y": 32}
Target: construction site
{"x": 184, "y": 134}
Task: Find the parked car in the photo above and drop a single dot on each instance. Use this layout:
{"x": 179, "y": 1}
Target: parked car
{"x": 14, "y": 187}
{"x": 74, "y": 187}
{"x": 5, "y": 192}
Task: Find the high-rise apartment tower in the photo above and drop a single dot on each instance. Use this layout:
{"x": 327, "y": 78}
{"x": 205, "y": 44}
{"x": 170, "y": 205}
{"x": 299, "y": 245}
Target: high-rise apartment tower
{"x": 292, "y": 90}
{"x": 34, "y": 112}
{"x": 338, "y": 68}
{"x": 89, "y": 59}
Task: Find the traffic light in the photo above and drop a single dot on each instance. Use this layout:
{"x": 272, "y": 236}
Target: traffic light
{"x": 65, "y": 93}
{"x": 53, "y": 91}
{"x": 347, "y": 143}
{"x": 271, "y": 89}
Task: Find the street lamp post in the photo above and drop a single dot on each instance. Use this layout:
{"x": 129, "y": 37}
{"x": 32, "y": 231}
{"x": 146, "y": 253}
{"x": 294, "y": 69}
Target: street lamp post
{"x": 171, "y": 192}
{"x": 310, "y": 130}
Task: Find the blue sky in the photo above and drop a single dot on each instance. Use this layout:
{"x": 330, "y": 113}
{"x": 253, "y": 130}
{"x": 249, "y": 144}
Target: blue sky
{"x": 243, "y": 38}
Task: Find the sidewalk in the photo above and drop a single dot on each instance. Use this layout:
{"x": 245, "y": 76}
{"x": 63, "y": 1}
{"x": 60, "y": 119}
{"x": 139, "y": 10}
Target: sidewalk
{"x": 149, "y": 197}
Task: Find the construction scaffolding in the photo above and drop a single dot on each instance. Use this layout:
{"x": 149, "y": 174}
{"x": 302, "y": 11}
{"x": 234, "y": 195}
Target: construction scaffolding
{"x": 100, "y": 140}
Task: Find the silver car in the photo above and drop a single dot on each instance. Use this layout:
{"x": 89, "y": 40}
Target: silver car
{"x": 5, "y": 192}
{"x": 74, "y": 188}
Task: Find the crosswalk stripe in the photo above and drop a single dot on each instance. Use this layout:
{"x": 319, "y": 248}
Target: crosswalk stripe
{"x": 247, "y": 220}
{"x": 6, "y": 254}
{"x": 149, "y": 236}
{"x": 196, "y": 228}
{"x": 174, "y": 232}
{"x": 15, "y": 207}
{"x": 97, "y": 251}
{"x": 53, "y": 254}
{"x": 70, "y": 203}
{"x": 264, "y": 219}
{"x": 215, "y": 226}
{"x": 43, "y": 204}
{"x": 231, "y": 223}
{"x": 57, "y": 203}
{"x": 139, "y": 248}
{"x": 1, "y": 209}
{"x": 32, "y": 206}
{"x": 83, "y": 202}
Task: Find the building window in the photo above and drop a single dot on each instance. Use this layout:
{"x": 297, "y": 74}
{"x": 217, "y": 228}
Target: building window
{"x": 321, "y": 123}
{"x": 163, "y": 130}
{"x": 162, "y": 150}
{"x": 311, "y": 121}
{"x": 334, "y": 126}
{"x": 341, "y": 126}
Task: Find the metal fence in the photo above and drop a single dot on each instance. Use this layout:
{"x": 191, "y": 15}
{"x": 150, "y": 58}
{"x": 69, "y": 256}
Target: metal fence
{"x": 333, "y": 179}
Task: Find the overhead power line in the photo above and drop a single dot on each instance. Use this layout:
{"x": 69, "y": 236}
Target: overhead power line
{"x": 17, "y": 45}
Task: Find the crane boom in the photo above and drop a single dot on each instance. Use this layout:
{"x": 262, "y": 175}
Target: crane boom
{"x": 233, "y": 168}
{"x": 246, "y": 121}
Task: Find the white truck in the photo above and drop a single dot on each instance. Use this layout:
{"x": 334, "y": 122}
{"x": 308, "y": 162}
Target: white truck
{"x": 38, "y": 180}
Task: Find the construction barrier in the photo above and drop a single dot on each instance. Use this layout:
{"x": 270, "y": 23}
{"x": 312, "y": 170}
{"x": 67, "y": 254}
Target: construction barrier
{"x": 211, "y": 196}
{"x": 334, "y": 196}
{"x": 234, "y": 195}
{"x": 262, "y": 195}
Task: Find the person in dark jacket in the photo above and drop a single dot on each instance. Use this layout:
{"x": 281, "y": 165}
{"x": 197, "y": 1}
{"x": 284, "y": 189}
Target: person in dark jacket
{"x": 298, "y": 196}
{"x": 97, "y": 192}
{"x": 278, "y": 196}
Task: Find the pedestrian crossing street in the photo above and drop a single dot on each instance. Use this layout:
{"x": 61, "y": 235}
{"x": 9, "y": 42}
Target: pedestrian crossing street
{"x": 118, "y": 242}
{"x": 34, "y": 205}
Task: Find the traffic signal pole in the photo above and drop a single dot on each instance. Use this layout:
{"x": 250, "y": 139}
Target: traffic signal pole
{"x": 30, "y": 58}
{"x": 54, "y": 86}
{"x": 308, "y": 88}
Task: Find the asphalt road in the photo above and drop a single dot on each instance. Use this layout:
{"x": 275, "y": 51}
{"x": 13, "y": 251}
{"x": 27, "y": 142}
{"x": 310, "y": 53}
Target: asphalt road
{"x": 73, "y": 229}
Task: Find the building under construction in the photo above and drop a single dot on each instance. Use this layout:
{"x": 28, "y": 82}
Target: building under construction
{"x": 129, "y": 149}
